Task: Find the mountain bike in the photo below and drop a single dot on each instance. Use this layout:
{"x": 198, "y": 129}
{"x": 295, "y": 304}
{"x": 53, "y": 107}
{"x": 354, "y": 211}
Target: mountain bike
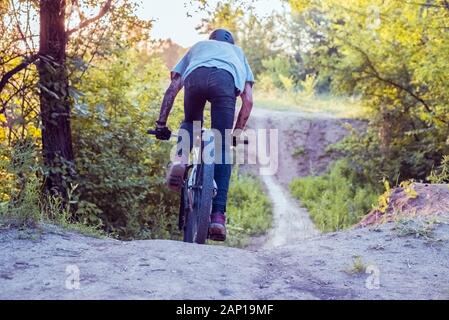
{"x": 198, "y": 190}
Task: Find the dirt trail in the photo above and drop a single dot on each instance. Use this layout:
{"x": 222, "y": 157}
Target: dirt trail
{"x": 291, "y": 222}
{"x": 44, "y": 264}
{"x": 407, "y": 260}
{"x": 303, "y": 140}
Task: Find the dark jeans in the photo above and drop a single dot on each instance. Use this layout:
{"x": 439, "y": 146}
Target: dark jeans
{"x": 216, "y": 86}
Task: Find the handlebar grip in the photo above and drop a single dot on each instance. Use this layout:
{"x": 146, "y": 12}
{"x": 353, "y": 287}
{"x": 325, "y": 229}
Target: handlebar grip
{"x": 234, "y": 141}
{"x": 152, "y": 132}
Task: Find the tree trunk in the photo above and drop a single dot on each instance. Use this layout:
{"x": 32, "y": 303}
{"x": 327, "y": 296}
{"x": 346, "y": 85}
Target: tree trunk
{"x": 54, "y": 100}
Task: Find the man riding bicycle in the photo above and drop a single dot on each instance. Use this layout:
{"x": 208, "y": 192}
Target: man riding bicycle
{"x": 214, "y": 70}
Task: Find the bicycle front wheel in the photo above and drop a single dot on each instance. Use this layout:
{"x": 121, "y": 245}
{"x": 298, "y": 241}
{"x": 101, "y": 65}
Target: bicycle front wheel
{"x": 198, "y": 219}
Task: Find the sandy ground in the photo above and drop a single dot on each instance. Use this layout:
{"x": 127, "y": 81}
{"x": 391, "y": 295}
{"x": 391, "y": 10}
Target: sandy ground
{"x": 397, "y": 260}
{"x": 291, "y": 222}
{"x": 47, "y": 263}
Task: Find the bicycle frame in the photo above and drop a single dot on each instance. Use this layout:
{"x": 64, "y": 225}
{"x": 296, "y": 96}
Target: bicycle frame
{"x": 199, "y": 189}
{"x": 196, "y": 196}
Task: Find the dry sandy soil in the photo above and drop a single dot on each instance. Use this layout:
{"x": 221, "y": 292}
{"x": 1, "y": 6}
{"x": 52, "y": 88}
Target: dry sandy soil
{"x": 400, "y": 259}
{"x": 406, "y": 261}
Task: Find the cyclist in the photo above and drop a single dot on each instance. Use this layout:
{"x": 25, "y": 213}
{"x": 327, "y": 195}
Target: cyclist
{"x": 214, "y": 70}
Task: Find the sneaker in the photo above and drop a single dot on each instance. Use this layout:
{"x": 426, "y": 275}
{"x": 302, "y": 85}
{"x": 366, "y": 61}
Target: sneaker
{"x": 217, "y": 227}
{"x": 175, "y": 175}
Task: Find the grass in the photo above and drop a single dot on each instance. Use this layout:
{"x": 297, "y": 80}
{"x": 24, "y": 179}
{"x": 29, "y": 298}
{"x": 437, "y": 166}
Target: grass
{"x": 83, "y": 229}
{"x": 335, "y": 200}
{"x": 338, "y": 107}
{"x": 422, "y": 228}
{"x": 298, "y": 152}
{"x": 417, "y": 228}
{"x": 249, "y": 210}
{"x": 32, "y": 209}
{"x": 357, "y": 267}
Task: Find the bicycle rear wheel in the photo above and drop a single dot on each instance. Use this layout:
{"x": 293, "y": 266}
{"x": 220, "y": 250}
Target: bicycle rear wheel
{"x": 198, "y": 219}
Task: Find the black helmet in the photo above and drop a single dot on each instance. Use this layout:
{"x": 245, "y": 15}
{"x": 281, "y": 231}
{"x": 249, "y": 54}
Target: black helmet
{"x": 222, "y": 35}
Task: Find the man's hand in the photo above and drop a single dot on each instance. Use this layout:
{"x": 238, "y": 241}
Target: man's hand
{"x": 162, "y": 132}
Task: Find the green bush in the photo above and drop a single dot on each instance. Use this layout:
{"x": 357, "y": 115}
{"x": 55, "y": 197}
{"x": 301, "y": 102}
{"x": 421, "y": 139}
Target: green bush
{"x": 249, "y": 209}
{"x": 20, "y": 191}
{"x": 119, "y": 185}
{"x": 277, "y": 70}
{"x": 121, "y": 170}
{"x": 399, "y": 84}
{"x": 441, "y": 174}
{"x": 336, "y": 200}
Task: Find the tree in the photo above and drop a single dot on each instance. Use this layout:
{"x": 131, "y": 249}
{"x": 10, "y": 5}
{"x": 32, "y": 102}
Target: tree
{"x": 393, "y": 53}
{"x": 255, "y": 36}
{"x": 225, "y": 15}
{"x": 51, "y": 62}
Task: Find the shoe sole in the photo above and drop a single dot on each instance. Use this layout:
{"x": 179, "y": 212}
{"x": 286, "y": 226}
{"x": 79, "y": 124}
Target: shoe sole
{"x": 217, "y": 232}
{"x": 176, "y": 177}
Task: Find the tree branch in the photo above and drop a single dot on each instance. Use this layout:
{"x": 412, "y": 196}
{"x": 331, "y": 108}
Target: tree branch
{"x": 86, "y": 22}
{"x": 399, "y": 86}
{"x": 4, "y": 104}
{"x": 8, "y": 75}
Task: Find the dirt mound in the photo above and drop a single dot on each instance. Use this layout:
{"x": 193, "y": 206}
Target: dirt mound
{"x": 365, "y": 263}
{"x": 417, "y": 200}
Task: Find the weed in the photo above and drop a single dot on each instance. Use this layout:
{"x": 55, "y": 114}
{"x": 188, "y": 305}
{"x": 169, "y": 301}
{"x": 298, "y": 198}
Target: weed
{"x": 298, "y": 152}
{"x": 357, "y": 267}
{"x": 419, "y": 229}
{"x": 409, "y": 189}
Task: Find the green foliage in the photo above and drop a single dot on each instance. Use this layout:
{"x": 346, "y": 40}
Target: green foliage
{"x": 249, "y": 210}
{"x": 258, "y": 43}
{"x": 225, "y": 15}
{"x": 121, "y": 170}
{"x": 277, "y": 70}
{"x": 115, "y": 96}
{"x": 307, "y": 87}
{"x": 393, "y": 55}
{"x": 357, "y": 267}
{"x": 336, "y": 200}
{"x": 298, "y": 152}
{"x": 21, "y": 188}
{"x": 441, "y": 174}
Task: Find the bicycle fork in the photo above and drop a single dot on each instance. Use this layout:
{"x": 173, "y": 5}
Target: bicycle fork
{"x": 192, "y": 186}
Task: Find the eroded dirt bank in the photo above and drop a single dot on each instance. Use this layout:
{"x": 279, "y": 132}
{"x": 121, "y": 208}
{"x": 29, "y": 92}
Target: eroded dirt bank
{"x": 303, "y": 140}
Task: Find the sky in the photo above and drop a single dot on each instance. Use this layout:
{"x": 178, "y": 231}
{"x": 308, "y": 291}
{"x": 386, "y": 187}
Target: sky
{"x": 171, "y": 20}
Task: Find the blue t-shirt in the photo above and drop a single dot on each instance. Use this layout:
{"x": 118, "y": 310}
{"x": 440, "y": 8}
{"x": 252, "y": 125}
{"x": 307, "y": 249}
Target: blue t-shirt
{"x": 219, "y": 54}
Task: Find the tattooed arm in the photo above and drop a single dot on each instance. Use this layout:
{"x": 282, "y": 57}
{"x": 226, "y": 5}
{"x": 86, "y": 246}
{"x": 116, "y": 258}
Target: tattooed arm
{"x": 247, "y": 105}
{"x": 169, "y": 98}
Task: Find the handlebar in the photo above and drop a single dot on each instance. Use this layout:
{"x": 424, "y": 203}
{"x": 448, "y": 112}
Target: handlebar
{"x": 154, "y": 132}
{"x": 234, "y": 139}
